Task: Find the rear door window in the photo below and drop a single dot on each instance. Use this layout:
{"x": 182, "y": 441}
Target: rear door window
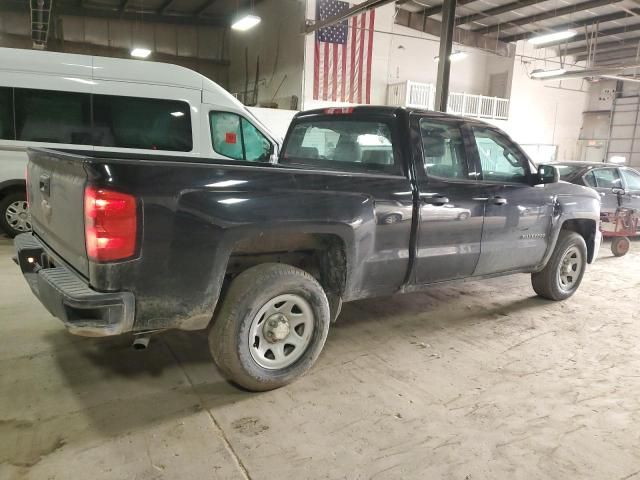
{"x": 631, "y": 178}
{"x": 607, "y": 178}
{"x": 145, "y": 123}
{"x": 443, "y": 150}
{"x": 6, "y": 114}
{"x": 53, "y": 116}
{"x": 341, "y": 144}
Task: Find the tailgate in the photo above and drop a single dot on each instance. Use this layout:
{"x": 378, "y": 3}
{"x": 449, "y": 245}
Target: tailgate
{"x": 56, "y": 182}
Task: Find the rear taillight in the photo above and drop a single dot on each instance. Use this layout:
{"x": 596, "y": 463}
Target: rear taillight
{"x": 110, "y": 224}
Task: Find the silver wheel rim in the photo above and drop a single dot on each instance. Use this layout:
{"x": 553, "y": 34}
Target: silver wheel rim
{"x": 281, "y": 331}
{"x": 17, "y": 216}
{"x": 570, "y": 268}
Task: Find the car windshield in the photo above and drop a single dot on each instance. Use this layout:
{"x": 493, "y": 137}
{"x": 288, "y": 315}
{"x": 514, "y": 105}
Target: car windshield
{"x": 568, "y": 172}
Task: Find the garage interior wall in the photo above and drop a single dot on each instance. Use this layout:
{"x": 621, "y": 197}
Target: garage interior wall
{"x": 545, "y": 113}
{"x": 277, "y": 42}
{"x": 200, "y": 48}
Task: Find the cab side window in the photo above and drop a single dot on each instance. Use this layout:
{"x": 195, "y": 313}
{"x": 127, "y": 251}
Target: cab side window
{"x": 607, "y": 178}
{"x": 443, "y": 150}
{"x": 500, "y": 160}
{"x": 632, "y": 179}
{"x": 235, "y": 137}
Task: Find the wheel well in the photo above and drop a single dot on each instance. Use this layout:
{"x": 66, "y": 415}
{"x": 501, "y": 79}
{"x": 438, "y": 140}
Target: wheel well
{"x": 321, "y": 255}
{"x": 586, "y": 228}
{"x": 12, "y": 188}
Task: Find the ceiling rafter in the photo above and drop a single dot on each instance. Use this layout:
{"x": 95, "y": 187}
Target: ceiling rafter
{"x": 577, "y": 24}
{"x": 624, "y": 44}
{"x": 496, "y": 11}
{"x": 601, "y": 33}
{"x": 559, "y": 12}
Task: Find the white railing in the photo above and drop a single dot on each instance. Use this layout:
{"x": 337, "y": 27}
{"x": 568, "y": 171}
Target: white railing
{"x": 422, "y": 95}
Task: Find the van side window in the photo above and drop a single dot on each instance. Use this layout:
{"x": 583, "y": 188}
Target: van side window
{"x": 235, "y": 137}
{"x": 6, "y": 114}
{"x": 443, "y": 150}
{"x": 148, "y": 123}
{"x": 52, "y": 116}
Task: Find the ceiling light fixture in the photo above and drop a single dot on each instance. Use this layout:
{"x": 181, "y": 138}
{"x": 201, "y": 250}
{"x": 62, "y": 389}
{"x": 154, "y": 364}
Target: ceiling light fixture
{"x": 454, "y": 57}
{"x": 140, "y": 52}
{"x": 548, "y": 73}
{"x": 552, "y": 37}
{"x": 245, "y": 22}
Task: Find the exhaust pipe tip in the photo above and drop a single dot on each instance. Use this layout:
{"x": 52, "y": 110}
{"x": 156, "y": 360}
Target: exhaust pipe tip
{"x": 141, "y": 343}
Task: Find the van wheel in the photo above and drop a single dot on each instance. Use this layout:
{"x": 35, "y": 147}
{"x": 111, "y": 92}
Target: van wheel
{"x": 14, "y": 214}
{"x": 563, "y": 274}
{"x": 271, "y": 327}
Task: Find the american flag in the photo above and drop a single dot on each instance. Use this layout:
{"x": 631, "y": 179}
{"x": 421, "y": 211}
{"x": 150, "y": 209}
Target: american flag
{"x": 343, "y": 52}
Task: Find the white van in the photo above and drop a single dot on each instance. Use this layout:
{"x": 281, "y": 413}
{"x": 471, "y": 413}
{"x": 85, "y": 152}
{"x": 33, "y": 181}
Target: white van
{"x": 86, "y": 103}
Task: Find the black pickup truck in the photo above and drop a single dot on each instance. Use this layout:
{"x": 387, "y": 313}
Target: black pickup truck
{"x": 362, "y": 201}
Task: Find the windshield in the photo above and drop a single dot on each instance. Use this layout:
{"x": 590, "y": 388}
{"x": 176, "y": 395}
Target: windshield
{"x": 568, "y": 172}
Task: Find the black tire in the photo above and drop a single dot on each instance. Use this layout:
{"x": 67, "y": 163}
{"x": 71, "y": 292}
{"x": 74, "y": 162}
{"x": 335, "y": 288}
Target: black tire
{"x": 5, "y": 204}
{"x": 547, "y": 283}
{"x": 229, "y": 340}
{"x": 620, "y": 246}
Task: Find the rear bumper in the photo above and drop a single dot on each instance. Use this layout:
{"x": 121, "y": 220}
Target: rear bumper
{"x": 67, "y": 295}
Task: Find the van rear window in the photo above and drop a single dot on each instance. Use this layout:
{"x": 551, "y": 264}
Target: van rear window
{"x": 341, "y": 143}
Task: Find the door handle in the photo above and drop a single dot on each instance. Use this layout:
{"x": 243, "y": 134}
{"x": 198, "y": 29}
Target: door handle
{"x": 436, "y": 200}
{"x": 499, "y": 201}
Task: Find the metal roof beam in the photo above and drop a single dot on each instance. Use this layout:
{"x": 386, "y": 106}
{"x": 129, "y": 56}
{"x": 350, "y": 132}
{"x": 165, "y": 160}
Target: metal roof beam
{"x": 559, "y": 12}
{"x": 626, "y": 43}
{"x": 624, "y": 53}
{"x": 427, "y": 12}
{"x": 577, "y": 24}
{"x": 601, "y": 33}
{"x": 164, "y": 7}
{"x": 90, "y": 10}
{"x": 202, "y": 8}
{"x": 496, "y": 11}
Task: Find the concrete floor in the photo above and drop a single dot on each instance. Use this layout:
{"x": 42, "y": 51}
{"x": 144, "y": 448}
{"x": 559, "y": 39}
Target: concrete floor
{"x": 472, "y": 381}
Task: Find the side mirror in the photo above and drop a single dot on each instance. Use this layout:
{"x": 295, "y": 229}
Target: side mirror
{"x": 618, "y": 191}
{"x": 548, "y": 174}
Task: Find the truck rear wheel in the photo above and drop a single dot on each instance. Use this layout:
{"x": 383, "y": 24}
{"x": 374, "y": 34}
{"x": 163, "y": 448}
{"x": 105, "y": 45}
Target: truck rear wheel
{"x": 271, "y": 327}
{"x": 563, "y": 274}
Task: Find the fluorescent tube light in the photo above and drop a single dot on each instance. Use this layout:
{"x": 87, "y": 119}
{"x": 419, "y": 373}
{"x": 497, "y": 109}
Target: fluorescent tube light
{"x": 246, "y": 22}
{"x": 454, "y": 57}
{"x": 548, "y": 73}
{"x": 140, "y": 52}
{"x": 552, "y": 37}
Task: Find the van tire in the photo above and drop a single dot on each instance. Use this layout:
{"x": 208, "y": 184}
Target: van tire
{"x": 236, "y": 350}
{"x": 12, "y": 198}
{"x": 569, "y": 255}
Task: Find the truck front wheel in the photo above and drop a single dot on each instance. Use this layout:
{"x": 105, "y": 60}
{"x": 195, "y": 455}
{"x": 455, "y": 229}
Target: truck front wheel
{"x": 271, "y": 327}
{"x": 562, "y": 275}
